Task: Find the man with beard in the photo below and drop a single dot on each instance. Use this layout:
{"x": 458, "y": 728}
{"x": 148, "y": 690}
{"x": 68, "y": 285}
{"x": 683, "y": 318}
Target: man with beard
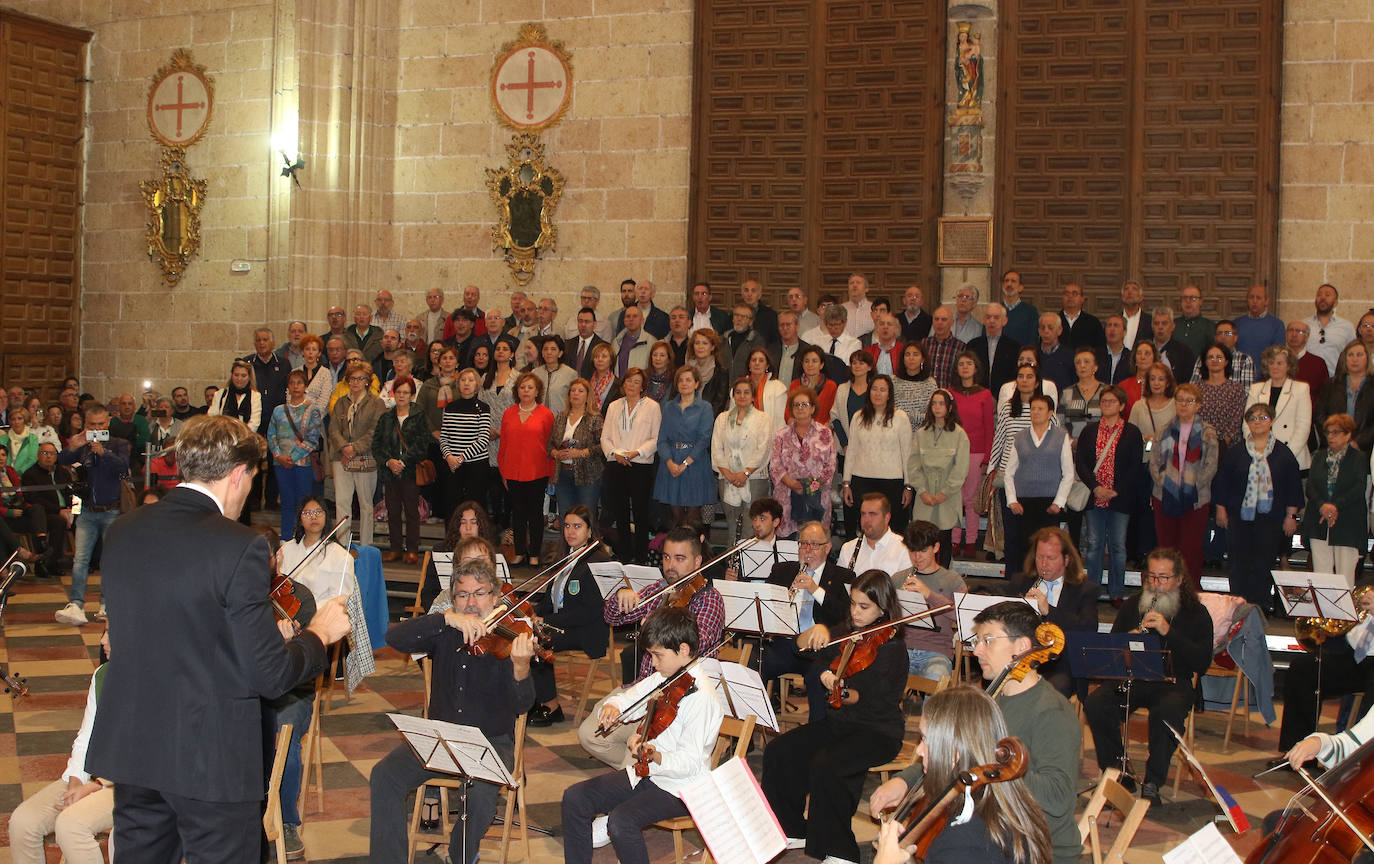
{"x": 1035, "y": 712}
{"x": 1332, "y": 332}
{"x": 1166, "y": 605}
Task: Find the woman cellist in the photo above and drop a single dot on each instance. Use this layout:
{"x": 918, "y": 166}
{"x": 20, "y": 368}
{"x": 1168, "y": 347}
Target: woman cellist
{"x": 960, "y": 728}
{"x": 828, "y": 759}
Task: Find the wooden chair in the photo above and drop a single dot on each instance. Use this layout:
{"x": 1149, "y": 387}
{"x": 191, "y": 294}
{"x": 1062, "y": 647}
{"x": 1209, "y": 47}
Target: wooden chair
{"x": 427, "y": 672}
{"x": 312, "y": 753}
{"x": 732, "y": 654}
{"x": 608, "y": 665}
{"x": 515, "y": 796}
{"x": 907, "y": 755}
{"x": 730, "y": 728}
{"x": 1183, "y": 766}
{"x": 787, "y": 715}
{"x": 1110, "y": 791}
{"x": 271, "y": 819}
{"x": 415, "y": 608}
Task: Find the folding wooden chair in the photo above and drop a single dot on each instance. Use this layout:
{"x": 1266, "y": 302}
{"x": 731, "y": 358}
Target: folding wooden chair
{"x": 730, "y": 728}
{"x": 271, "y": 819}
{"x": 907, "y": 755}
{"x": 608, "y": 665}
{"x": 1110, "y": 791}
{"x": 415, "y": 608}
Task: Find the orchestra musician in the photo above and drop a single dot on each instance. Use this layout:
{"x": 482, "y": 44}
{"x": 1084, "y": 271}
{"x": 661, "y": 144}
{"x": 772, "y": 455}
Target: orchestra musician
{"x": 1035, "y": 712}
{"x": 1052, "y": 578}
{"x": 574, "y": 605}
{"x": 179, "y": 731}
{"x": 960, "y": 728}
{"x": 479, "y": 690}
{"x": 672, "y": 747}
{"x": 876, "y": 547}
{"x": 681, "y": 557}
{"x": 1167, "y": 605}
{"x": 822, "y": 592}
{"x": 827, "y": 760}
{"x": 928, "y": 651}
{"x": 765, "y": 516}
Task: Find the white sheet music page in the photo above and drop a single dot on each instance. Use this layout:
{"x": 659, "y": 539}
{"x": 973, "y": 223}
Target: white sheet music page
{"x": 443, "y": 568}
{"x": 733, "y": 816}
{"x": 741, "y": 691}
{"x": 912, "y": 603}
{"x": 1205, "y": 846}
{"x": 967, "y": 607}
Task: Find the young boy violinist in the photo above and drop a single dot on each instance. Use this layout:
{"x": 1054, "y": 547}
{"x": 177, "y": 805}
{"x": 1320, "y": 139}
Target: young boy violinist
{"x": 828, "y": 759}
{"x": 629, "y": 800}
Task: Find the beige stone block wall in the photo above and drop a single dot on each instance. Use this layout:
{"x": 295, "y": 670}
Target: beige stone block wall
{"x": 1326, "y": 198}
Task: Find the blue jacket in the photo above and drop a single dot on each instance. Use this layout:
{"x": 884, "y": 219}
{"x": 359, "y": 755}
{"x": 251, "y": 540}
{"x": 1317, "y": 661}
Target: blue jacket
{"x": 1251, "y": 653}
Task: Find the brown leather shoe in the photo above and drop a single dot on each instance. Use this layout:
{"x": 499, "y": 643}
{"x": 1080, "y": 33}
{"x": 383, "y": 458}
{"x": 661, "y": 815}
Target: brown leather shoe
{"x": 392, "y": 555}
{"x": 412, "y": 558}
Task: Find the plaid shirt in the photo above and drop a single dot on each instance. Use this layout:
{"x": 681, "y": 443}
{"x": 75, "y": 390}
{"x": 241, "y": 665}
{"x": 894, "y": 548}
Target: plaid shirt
{"x": 706, "y": 607}
{"x": 1242, "y": 369}
{"x": 940, "y": 358}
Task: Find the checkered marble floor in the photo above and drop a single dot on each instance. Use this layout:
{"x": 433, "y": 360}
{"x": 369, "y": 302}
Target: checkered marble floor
{"x": 36, "y": 734}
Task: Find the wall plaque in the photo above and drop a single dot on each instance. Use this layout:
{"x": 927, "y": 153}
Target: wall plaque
{"x": 531, "y": 83}
{"x": 181, "y": 100}
{"x": 965, "y": 241}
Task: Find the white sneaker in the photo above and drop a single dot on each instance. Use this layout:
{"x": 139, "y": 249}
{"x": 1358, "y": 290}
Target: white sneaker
{"x": 600, "y": 835}
{"x": 100, "y": 615}
{"x": 71, "y": 614}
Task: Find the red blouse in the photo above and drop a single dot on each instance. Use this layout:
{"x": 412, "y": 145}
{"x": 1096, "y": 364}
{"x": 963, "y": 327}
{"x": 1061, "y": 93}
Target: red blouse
{"x": 522, "y": 455}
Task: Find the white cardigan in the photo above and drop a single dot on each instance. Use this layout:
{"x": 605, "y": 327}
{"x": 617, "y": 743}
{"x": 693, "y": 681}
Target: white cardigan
{"x": 879, "y": 452}
{"x": 1292, "y": 415}
{"x": 753, "y": 439}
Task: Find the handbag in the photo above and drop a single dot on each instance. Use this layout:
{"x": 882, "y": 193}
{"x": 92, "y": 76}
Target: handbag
{"x": 425, "y": 472}
{"x": 1079, "y": 493}
{"x": 986, "y": 490}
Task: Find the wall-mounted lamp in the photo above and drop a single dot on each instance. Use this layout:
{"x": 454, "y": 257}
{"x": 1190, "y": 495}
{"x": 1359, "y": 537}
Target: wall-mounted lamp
{"x": 289, "y": 168}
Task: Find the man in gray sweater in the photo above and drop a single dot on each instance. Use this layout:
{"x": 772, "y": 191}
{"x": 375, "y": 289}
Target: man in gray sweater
{"x": 930, "y": 641}
{"x": 1035, "y": 713}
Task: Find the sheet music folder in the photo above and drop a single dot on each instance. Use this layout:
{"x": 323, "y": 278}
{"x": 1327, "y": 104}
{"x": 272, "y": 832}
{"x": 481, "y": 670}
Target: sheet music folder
{"x": 1118, "y": 657}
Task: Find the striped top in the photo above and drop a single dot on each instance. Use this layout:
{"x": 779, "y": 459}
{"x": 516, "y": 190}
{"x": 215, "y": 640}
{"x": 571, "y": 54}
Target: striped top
{"x": 1336, "y": 748}
{"x": 466, "y": 429}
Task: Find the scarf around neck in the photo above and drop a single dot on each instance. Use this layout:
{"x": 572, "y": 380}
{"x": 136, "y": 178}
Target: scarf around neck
{"x": 1259, "y": 483}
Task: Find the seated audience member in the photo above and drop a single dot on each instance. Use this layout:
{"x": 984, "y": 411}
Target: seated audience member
{"x": 671, "y": 760}
{"x": 1052, "y": 578}
{"x": 1166, "y": 605}
{"x": 50, "y": 510}
{"x": 75, "y": 808}
{"x": 479, "y": 690}
{"x": 930, "y": 652}
{"x": 469, "y": 519}
{"x": 1035, "y": 712}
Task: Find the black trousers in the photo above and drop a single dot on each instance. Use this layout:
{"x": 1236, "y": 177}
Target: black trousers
{"x": 1167, "y": 703}
{"x": 54, "y": 526}
{"x": 892, "y": 488}
{"x": 627, "y": 488}
{"x": 1253, "y": 548}
{"x": 527, "y": 514}
{"x": 631, "y": 810}
{"x": 826, "y": 761}
{"x": 403, "y": 506}
{"x": 1019, "y": 529}
{"x": 155, "y": 827}
{"x": 1339, "y": 675}
{"x": 468, "y": 483}
{"x": 781, "y": 656}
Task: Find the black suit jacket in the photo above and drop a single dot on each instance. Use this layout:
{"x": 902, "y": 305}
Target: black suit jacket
{"x": 835, "y": 581}
{"x": 1125, "y": 369}
{"x": 766, "y": 324}
{"x": 915, "y": 331}
{"x": 1087, "y": 330}
{"x": 1002, "y": 367}
{"x": 1076, "y": 608}
{"x": 1181, "y": 359}
{"x": 570, "y": 355}
{"x": 582, "y": 616}
{"x": 181, "y": 710}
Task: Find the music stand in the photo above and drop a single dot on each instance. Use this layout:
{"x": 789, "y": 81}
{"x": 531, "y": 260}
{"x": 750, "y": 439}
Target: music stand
{"x": 742, "y": 692}
{"x": 756, "y": 562}
{"x": 443, "y": 568}
{"x": 1124, "y": 658}
{"x": 1219, "y": 793}
{"x": 462, "y": 751}
{"x": 1316, "y": 595}
{"x": 759, "y": 608}
{"x": 611, "y": 576}
{"x": 912, "y": 603}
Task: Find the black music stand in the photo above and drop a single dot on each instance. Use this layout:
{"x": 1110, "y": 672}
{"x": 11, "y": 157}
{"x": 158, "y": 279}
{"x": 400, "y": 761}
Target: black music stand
{"x": 1124, "y": 658}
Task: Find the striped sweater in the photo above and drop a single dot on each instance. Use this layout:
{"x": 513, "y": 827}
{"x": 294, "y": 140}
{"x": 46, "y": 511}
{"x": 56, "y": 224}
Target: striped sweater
{"x": 466, "y": 429}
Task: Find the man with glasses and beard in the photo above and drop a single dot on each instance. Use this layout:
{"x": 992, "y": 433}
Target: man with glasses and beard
{"x": 1167, "y": 606}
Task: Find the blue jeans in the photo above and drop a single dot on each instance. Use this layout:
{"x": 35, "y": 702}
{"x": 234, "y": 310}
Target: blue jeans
{"x": 297, "y": 711}
{"x": 928, "y": 664}
{"x": 569, "y": 493}
{"x": 293, "y": 484}
{"x": 90, "y": 526}
{"x": 1103, "y": 527}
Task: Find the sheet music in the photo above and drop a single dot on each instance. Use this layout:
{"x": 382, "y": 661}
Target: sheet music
{"x": 912, "y": 602}
{"x": 460, "y": 749}
{"x": 967, "y": 606}
{"x": 443, "y": 568}
{"x": 742, "y": 692}
{"x": 1204, "y": 846}
{"x": 610, "y": 576}
{"x": 756, "y": 562}
{"x": 1333, "y": 595}
{"x": 777, "y": 606}
{"x": 733, "y": 816}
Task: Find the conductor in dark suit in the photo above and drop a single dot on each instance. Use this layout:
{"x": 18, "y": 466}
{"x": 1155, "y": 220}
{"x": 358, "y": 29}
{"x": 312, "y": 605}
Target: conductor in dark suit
{"x": 180, "y": 729}
{"x": 823, "y": 589}
{"x": 1053, "y": 580}
{"x": 995, "y": 348}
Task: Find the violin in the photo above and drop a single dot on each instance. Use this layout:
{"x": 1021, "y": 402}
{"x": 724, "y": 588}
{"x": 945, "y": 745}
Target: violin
{"x": 661, "y": 713}
{"x": 1336, "y": 828}
{"x": 684, "y": 592}
{"x": 502, "y": 635}
{"x": 282, "y": 595}
{"x": 860, "y": 650}
{"x": 1049, "y": 639}
{"x": 920, "y": 828}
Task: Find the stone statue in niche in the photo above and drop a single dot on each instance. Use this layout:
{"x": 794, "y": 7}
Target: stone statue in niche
{"x": 968, "y": 68}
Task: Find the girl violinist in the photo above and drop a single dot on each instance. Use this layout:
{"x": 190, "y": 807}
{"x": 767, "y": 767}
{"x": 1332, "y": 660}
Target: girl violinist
{"x": 679, "y": 752}
{"x": 330, "y": 570}
{"x": 828, "y": 759}
{"x": 960, "y": 728}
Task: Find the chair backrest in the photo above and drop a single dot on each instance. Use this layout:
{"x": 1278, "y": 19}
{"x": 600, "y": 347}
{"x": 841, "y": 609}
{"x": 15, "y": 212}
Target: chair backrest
{"x": 271, "y": 820}
{"x": 740, "y": 655}
{"x": 926, "y": 686}
{"x": 427, "y": 670}
{"x": 1110, "y": 791}
{"x": 518, "y": 772}
{"x": 416, "y": 608}
{"x": 740, "y": 730}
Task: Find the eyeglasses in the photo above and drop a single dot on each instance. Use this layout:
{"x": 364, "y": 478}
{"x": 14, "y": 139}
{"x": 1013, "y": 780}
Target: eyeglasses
{"x": 1258, "y": 415}
{"x": 1186, "y": 400}
{"x": 362, "y": 378}
{"x": 796, "y": 405}
{"x": 1328, "y": 432}
{"x": 814, "y": 544}
{"x": 1160, "y": 577}
{"x": 1322, "y": 341}
{"x": 463, "y": 596}
{"x": 986, "y": 639}
{"x": 1226, "y": 332}
{"x": 313, "y": 511}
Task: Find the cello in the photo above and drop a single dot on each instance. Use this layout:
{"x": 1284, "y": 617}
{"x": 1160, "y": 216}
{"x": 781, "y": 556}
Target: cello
{"x": 1334, "y": 829}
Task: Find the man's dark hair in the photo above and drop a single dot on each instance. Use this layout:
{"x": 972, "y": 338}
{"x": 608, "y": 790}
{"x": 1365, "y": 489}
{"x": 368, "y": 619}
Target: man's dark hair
{"x": 670, "y": 627}
{"x": 920, "y": 534}
{"x": 826, "y": 298}
{"x": 589, "y": 310}
{"x": 683, "y": 534}
{"x": 182, "y": 389}
{"x": 1226, "y": 321}
{"x": 1018, "y": 619}
{"x": 766, "y": 505}
{"x": 624, "y": 282}
{"x": 880, "y": 301}
{"x": 884, "y": 505}
{"x": 465, "y": 313}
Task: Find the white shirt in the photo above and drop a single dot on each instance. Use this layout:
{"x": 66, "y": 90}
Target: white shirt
{"x": 701, "y": 320}
{"x": 204, "y": 491}
{"x": 1337, "y": 334}
{"x": 76, "y": 764}
{"x": 1066, "y": 469}
{"x": 843, "y": 345}
{"x": 888, "y": 555}
{"x": 390, "y": 321}
{"x": 686, "y": 745}
{"x": 1132, "y": 325}
{"x": 860, "y": 319}
{"x": 624, "y": 431}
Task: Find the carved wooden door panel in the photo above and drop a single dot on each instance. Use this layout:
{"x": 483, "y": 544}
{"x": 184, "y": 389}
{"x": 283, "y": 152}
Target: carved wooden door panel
{"x": 1138, "y": 139}
{"x": 40, "y": 165}
{"x": 816, "y": 144}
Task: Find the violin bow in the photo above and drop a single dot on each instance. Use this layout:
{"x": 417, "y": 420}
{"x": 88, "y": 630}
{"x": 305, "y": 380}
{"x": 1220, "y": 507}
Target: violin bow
{"x": 915, "y": 616}
{"x": 317, "y": 547}
{"x": 553, "y": 572}
{"x": 733, "y": 550}
{"x": 619, "y": 721}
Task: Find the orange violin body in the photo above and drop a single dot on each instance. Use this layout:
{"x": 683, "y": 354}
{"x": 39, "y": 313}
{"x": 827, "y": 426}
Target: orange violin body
{"x": 856, "y": 657}
{"x": 660, "y": 715}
